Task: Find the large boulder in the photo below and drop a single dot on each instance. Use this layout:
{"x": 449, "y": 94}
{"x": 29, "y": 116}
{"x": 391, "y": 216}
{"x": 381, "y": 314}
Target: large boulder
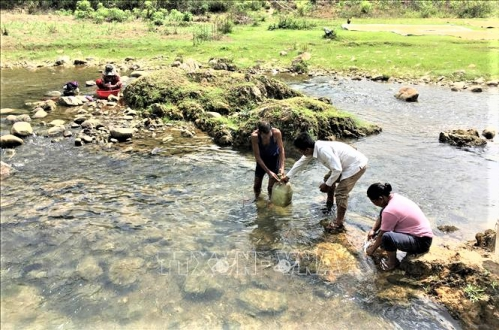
{"x": 462, "y": 138}
{"x": 120, "y": 133}
{"x": 407, "y": 94}
{"x": 21, "y": 129}
{"x": 10, "y": 141}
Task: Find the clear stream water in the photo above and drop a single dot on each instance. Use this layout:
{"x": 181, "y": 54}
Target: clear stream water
{"x": 95, "y": 239}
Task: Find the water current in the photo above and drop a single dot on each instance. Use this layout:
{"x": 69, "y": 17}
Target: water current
{"x": 94, "y": 239}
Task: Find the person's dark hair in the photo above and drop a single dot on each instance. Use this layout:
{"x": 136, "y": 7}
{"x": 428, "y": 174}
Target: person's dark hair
{"x": 376, "y": 190}
{"x": 304, "y": 141}
{"x": 264, "y": 127}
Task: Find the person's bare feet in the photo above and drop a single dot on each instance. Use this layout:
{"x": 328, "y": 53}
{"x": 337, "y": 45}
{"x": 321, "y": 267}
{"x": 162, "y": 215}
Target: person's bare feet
{"x": 388, "y": 265}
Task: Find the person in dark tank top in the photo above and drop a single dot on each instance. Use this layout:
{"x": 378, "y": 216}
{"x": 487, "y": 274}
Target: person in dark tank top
{"x": 268, "y": 150}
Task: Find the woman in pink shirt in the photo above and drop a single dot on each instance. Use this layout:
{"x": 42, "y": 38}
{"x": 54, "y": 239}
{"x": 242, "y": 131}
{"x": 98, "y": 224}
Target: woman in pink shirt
{"x": 401, "y": 224}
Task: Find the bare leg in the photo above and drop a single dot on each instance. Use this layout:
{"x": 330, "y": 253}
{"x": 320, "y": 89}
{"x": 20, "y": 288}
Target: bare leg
{"x": 257, "y": 186}
{"x": 340, "y": 215}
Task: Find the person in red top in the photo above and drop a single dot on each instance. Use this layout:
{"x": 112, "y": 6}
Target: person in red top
{"x": 110, "y": 79}
{"x": 401, "y": 224}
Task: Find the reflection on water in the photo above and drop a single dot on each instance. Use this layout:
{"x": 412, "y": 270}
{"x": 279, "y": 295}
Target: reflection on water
{"x": 104, "y": 239}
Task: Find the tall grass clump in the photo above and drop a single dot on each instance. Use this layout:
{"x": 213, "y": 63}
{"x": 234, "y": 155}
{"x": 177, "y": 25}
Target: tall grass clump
{"x": 290, "y": 23}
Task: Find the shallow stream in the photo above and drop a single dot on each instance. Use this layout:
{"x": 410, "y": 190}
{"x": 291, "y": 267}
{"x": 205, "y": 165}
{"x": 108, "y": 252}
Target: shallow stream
{"x": 94, "y": 239}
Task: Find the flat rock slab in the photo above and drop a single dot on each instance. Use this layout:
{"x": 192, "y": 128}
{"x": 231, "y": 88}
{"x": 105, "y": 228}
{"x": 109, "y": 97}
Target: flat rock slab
{"x": 419, "y": 30}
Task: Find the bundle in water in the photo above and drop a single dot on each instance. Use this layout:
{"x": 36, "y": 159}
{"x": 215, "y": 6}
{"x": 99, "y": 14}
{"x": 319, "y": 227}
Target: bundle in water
{"x": 281, "y": 194}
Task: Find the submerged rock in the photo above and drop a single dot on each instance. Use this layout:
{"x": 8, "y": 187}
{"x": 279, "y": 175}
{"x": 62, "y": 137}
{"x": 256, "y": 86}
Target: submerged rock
{"x": 258, "y": 301}
{"x": 462, "y": 138}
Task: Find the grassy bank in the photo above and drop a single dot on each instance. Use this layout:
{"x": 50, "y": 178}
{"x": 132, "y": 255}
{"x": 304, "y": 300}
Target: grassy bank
{"x": 43, "y": 38}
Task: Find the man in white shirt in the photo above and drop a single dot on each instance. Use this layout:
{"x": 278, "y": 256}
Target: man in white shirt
{"x": 346, "y": 166}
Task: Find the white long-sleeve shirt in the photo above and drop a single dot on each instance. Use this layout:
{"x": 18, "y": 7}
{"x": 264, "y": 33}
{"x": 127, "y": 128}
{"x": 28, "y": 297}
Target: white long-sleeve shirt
{"x": 341, "y": 158}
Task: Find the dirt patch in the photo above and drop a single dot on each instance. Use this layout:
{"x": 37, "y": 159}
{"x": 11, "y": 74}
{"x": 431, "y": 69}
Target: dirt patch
{"x": 420, "y": 30}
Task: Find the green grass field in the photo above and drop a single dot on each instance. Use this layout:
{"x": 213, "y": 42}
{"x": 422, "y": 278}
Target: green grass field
{"x": 42, "y": 38}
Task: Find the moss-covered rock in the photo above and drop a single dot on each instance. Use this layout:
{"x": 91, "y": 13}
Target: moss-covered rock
{"x": 241, "y": 100}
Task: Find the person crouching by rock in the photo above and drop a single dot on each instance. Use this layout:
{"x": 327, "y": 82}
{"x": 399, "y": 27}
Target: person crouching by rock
{"x": 110, "y": 79}
{"x": 401, "y": 225}
{"x": 71, "y": 89}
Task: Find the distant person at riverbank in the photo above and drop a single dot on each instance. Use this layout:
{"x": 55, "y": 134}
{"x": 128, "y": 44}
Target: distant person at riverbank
{"x": 110, "y": 79}
{"x": 71, "y": 88}
{"x": 268, "y": 150}
{"x": 401, "y": 225}
{"x": 346, "y": 165}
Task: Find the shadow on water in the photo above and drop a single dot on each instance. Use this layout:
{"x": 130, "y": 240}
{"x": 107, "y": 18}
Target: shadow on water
{"x": 101, "y": 238}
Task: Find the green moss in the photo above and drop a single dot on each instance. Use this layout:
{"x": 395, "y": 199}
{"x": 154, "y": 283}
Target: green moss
{"x": 241, "y": 101}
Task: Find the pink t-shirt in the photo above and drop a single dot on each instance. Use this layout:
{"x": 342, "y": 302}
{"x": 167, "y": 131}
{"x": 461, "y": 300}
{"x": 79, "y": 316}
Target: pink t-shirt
{"x": 402, "y": 215}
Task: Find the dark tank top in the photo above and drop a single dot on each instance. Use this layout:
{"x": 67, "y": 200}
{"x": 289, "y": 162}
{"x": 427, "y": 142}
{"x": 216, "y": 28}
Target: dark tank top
{"x": 270, "y": 150}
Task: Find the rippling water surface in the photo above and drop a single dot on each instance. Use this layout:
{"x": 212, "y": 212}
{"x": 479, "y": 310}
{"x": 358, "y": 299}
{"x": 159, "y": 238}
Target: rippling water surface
{"x": 99, "y": 239}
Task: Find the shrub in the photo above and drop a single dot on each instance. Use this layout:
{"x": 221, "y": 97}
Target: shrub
{"x": 365, "y": 7}
{"x": 218, "y": 6}
{"x": 289, "y": 23}
{"x": 224, "y": 26}
{"x": 471, "y": 8}
{"x": 187, "y": 17}
{"x": 175, "y": 16}
{"x": 83, "y": 10}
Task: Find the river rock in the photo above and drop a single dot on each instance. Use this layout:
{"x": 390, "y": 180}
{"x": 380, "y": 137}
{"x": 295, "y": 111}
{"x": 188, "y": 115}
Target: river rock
{"x": 15, "y": 119}
{"x": 56, "y": 122}
{"x": 89, "y": 269}
{"x": 79, "y": 61}
{"x": 72, "y": 100}
{"x": 489, "y": 133}
{"x": 457, "y": 86}
{"x": 40, "y": 113}
{"x": 258, "y": 301}
{"x": 462, "y": 138}
{"x": 125, "y": 271}
{"x": 91, "y": 123}
{"x": 486, "y": 240}
{"x": 10, "y": 141}
{"x": 120, "y": 133}
{"x": 137, "y": 74}
{"x": 48, "y": 105}
{"x": 21, "y": 129}
{"x": 407, "y": 94}
{"x": 90, "y": 83}
{"x": 190, "y": 65}
{"x": 5, "y": 170}
{"x": 7, "y": 111}
{"x": 86, "y": 138}
{"x": 205, "y": 287}
{"x": 53, "y": 94}
{"x": 492, "y": 83}
{"x": 476, "y": 89}
{"x": 56, "y": 130}
{"x": 61, "y": 60}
